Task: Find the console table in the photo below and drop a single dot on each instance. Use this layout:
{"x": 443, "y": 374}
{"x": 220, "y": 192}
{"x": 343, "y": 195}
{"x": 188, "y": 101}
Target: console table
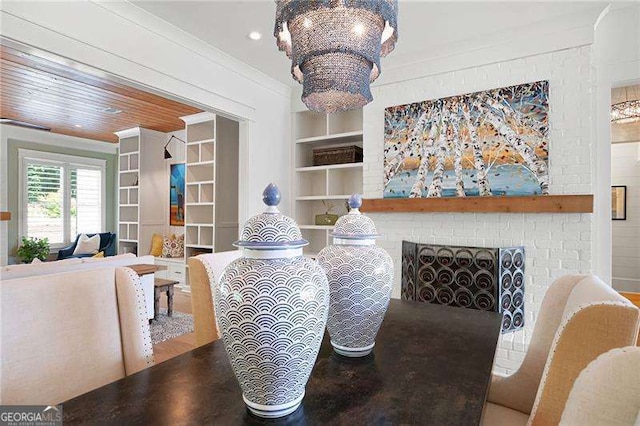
{"x": 431, "y": 365}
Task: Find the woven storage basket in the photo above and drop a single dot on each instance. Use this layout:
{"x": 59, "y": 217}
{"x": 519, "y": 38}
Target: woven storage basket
{"x": 337, "y": 155}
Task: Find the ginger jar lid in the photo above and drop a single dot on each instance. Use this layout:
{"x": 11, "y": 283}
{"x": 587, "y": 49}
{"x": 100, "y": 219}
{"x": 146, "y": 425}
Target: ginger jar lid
{"x": 271, "y": 230}
{"x": 354, "y": 225}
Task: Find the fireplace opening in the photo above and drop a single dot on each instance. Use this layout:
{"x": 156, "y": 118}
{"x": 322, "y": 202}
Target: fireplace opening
{"x": 488, "y": 279}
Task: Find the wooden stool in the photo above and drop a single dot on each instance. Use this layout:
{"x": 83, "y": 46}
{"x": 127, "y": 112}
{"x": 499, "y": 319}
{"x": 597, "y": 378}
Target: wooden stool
{"x": 161, "y": 285}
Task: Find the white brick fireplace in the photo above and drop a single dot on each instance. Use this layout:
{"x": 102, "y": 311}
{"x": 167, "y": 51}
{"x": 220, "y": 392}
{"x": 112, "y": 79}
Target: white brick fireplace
{"x": 556, "y": 244}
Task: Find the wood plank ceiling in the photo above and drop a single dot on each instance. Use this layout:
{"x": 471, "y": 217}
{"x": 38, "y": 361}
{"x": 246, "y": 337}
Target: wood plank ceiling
{"x": 72, "y": 102}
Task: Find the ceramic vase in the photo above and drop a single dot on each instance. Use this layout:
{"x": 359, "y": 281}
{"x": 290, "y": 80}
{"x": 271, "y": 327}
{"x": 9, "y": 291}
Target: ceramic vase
{"x": 271, "y": 308}
{"x": 360, "y": 280}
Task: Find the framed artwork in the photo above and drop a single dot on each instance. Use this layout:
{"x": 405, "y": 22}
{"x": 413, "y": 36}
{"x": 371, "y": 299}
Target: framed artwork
{"x": 176, "y": 195}
{"x": 486, "y": 143}
{"x": 619, "y": 202}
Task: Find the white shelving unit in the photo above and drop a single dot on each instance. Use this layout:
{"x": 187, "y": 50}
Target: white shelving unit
{"x": 317, "y": 186}
{"x": 200, "y": 183}
{"x": 140, "y": 210}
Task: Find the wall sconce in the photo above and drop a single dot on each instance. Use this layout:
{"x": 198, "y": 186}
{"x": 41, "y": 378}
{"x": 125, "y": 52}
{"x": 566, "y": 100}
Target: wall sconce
{"x": 167, "y": 154}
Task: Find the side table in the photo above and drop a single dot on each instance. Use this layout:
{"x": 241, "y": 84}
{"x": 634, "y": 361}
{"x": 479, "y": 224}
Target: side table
{"x": 161, "y": 285}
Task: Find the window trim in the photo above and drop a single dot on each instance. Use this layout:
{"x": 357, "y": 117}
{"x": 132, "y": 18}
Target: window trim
{"x": 66, "y": 161}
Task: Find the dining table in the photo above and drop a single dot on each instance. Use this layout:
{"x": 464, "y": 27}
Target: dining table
{"x": 431, "y": 365}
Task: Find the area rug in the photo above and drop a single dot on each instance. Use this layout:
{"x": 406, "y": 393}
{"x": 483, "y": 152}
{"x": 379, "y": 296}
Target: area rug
{"x": 165, "y": 328}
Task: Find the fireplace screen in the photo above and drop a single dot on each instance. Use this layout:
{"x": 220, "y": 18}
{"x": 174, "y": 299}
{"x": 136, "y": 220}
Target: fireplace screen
{"x": 488, "y": 279}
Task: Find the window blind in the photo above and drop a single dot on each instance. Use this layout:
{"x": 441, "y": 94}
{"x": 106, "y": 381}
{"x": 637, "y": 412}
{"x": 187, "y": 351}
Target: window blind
{"x": 62, "y": 196}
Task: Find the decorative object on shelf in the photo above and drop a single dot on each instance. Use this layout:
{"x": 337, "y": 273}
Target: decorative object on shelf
{"x": 167, "y": 154}
{"x": 487, "y": 279}
{"x": 33, "y": 248}
{"x": 335, "y": 48}
{"x": 485, "y": 143}
{"x": 326, "y": 218}
{"x": 619, "y": 202}
{"x": 176, "y": 195}
{"x": 360, "y": 280}
{"x": 337, "y": 155}
{"x": 627, "y": 111}
{"x": 271, "y": 308}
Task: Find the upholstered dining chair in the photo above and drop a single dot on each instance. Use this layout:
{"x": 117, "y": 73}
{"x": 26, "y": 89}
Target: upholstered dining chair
{"x": 607, "y": 392}
{"x": 204, "y": 272}
{"x": 581, "y": 318}
{"x": 66, "y": 334}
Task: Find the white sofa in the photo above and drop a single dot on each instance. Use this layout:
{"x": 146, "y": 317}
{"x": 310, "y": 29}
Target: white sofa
{"x": 24, "y": 270}
{"x": 68, "y": 333}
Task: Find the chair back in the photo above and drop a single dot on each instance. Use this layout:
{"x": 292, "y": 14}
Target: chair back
{"x": 66, "y": 334}
{"x": 595, "y": 320}
{"x": 204, "y": 272}
{"x": 607, "y": 392}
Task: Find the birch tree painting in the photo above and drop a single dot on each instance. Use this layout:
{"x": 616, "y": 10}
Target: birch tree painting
{"x": 480, "y": 144}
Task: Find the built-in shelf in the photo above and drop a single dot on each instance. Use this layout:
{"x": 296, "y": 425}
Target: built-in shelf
{"x": 330, "y": 167}
{"x": 329, "y": 227}
{"x": 319, "y": 189}
{"x": 323, "y": 197}
{"x": 334, "y": 138}
{"x": 203, "y": 246}
{"x": 530, "y": 204}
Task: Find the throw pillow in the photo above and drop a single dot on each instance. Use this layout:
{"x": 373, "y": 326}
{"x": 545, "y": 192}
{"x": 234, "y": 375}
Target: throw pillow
{"x": 167, "y": 244}
{"x": 87, "y": 245}
{"x": 173, "y": 246}
{"x": 156, "y": 245}
{"x": 178, "y": 248}
{"x": 99, "y": 254}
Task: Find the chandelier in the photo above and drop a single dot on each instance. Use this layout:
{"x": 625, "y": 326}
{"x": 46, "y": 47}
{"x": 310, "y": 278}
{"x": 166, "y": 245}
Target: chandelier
{"x": 335, "y": 48}
{"x": 625, "y": 112}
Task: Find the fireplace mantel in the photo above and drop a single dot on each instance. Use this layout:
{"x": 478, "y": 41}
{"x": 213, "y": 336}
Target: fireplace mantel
{"x": 499, "y": 204}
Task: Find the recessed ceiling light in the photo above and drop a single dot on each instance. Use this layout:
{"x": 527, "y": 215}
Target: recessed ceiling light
{"x": 77, "y": 125}
{"x": 254, "y": 35}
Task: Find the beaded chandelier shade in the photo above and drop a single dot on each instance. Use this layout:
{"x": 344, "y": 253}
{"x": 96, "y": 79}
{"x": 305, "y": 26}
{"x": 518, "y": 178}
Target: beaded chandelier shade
{"x": 335, "y": 48}
{"x": 625, "y": 112}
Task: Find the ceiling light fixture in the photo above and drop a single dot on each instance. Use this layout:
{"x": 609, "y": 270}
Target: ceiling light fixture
{"x": 167, "y": 154}
{"x": 111, "y": 110}
{"x": 626, "y": 111}
{"x": 335, "y": 48}
{"x": 254, "y": 35}
{"x": 77, "y": 125}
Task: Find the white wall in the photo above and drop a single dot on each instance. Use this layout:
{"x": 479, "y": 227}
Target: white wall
{"x": 556, "y": 244}
{"x": 625, "y": 170}
{"x": 125, "y": 41}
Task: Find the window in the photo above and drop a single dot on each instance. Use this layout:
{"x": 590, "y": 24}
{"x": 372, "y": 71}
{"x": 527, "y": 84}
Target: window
{"x": 61, "y": 195}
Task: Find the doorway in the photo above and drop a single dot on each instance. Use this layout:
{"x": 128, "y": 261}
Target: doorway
{"x": 625, "y": 188}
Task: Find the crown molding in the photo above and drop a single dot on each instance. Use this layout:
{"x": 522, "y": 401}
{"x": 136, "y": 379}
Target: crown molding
{"x": 563, "y": 33}
{"x": 174, "y": 34}
{"x": 198, "y": 118}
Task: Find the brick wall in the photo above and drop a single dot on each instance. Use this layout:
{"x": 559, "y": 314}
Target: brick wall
{"x": 556, "y": 244}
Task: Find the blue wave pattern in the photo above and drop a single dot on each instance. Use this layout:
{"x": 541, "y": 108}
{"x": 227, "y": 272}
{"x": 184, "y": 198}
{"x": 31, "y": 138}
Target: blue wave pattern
{"x": 272, "y": 228}
{"x": 354, "y": 224}
{"x": 360, "y": 280}
{"x": 272, "y": 314}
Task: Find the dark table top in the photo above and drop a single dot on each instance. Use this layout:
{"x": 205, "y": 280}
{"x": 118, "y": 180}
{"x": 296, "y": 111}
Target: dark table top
{"x": 431, "y": 365}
